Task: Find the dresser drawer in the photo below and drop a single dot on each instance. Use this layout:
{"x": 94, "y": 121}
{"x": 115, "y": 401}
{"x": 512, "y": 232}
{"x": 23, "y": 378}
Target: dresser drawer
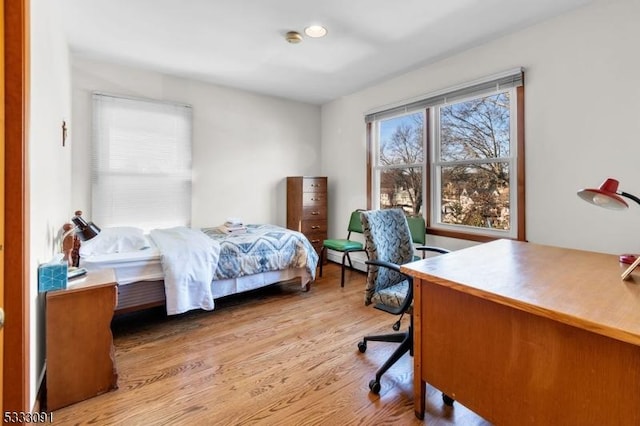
{"x": 314, "y": 185}
{"x": 317, "y": 246}
{"x": 316, "y": 239}
{"x": 314, "y": 226}
{"x": 311, "y": 199}
{"x": 314, "y": 213}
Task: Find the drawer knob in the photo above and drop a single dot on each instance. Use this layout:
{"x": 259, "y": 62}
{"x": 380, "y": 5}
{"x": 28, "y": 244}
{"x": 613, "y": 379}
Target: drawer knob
{"x": 315, "y": 227}
{"x": 315, "y": 213}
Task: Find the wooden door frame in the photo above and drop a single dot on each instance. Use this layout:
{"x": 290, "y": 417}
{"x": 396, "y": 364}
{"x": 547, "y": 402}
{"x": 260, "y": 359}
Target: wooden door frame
{"x": 2, "y": 204}
{"x": 16, "y": 224}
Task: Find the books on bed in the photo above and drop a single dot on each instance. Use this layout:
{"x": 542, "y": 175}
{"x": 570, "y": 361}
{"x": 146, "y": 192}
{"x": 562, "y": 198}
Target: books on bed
{"x": 234, "y": 226}
{"x": 237, "y": 230}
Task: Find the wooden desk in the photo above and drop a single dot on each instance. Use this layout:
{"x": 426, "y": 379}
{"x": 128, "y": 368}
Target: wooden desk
{"x": 529, "y": 334}
{"x": 80, "y": 353}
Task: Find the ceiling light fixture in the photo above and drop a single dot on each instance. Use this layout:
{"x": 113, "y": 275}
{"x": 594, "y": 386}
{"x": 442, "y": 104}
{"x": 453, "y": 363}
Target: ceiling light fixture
{"x": 293, "y": 37}
{"x": 315, "y": 31}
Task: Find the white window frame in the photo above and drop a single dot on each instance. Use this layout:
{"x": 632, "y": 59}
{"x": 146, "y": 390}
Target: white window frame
{"x": 378, "y": 168}
{"x": 511, "y": 81}
{"x": 435, "y": 212}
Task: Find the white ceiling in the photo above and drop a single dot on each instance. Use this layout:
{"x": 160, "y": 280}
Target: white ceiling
{"x": 240, "y": 43}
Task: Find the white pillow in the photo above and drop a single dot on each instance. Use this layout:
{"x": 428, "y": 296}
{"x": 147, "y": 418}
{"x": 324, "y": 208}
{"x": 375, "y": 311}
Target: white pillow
{"x": 121, "y": 239}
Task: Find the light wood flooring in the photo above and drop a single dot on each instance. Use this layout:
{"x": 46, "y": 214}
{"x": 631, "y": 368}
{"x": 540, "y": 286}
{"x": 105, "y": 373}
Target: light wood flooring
{"x": 276, "y": 356}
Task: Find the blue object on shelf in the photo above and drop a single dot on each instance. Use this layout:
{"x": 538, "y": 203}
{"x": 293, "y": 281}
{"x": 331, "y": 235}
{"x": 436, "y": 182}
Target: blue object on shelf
{"x": 52, "y": 276}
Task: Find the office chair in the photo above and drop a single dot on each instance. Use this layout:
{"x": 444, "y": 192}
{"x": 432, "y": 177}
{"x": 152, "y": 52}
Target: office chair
{"x": 346, "y": 246}
{"x": 389, "y": 244}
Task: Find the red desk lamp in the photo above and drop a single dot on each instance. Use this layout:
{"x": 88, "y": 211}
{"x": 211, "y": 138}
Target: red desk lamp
{"x": 609, "y": 197}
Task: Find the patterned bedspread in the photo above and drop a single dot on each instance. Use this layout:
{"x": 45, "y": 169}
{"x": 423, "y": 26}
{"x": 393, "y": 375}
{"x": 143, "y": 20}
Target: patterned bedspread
{"x": 262, "y": 248}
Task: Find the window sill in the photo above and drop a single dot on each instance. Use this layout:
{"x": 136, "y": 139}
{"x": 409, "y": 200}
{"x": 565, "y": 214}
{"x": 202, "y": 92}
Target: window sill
{"x": 466, "y": 235}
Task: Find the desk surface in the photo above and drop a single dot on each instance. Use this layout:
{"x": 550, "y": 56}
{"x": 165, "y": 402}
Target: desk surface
{"x": 575, "y": 287}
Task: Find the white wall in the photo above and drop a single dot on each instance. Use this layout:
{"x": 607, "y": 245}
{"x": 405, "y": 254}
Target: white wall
{"x": 244, "y": 144}
{"x": 582, "y": 94}
{"x": 49, "y": 162}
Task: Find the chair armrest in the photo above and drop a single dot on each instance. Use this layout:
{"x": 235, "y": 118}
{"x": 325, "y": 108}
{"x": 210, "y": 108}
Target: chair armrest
{"x": 434, "y": 249}
{"x": 384, "y": 264}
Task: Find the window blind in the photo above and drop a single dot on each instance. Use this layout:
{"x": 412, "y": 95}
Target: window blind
{"x": 505, "y": 80}
{"x": 140, "y": 162}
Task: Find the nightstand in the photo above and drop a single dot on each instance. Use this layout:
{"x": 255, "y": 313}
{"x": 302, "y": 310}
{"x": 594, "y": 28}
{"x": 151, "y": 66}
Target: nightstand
{"x": 80, "y": 353}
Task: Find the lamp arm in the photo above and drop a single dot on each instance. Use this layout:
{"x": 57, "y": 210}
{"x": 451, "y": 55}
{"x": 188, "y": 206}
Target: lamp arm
{"x": 630, "y": 196}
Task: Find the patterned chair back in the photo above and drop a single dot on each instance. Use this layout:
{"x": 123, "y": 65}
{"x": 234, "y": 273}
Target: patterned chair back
{"x": 387, "y": 238}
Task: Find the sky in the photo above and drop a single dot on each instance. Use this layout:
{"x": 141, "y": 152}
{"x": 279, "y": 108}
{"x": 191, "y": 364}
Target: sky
{"x": 387, "y": 127}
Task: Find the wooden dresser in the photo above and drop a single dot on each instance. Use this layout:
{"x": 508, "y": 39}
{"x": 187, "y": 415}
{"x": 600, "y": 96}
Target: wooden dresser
{"x": 80, "y": 352}
{"x": 307, "y": 208}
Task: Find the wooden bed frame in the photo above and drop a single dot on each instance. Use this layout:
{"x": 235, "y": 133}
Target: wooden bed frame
{"x": 141, "y": 295}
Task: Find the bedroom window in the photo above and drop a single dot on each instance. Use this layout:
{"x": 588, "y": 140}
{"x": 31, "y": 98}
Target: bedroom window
{"x": 455, "y": 157}
{"x": 140, "y": 163}
{"x": 400, "y": 162}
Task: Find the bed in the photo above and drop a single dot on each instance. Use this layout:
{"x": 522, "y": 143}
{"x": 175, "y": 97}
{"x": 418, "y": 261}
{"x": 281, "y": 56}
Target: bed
{"x": 207, "y": 263}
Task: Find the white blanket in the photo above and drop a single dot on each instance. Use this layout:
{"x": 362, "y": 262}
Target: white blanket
{"x": 189, "y": 259}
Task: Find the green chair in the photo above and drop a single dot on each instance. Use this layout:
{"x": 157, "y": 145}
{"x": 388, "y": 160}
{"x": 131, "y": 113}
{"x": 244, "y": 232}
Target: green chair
{"x": 418, "y": 230}
{"x": 345, "y": 246}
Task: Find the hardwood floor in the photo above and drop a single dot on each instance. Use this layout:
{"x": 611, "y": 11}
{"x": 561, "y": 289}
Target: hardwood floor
{"x": 276, "y": 356}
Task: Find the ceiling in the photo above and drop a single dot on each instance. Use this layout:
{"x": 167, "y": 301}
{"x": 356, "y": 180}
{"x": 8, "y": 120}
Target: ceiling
{"x": 240, "y": 43}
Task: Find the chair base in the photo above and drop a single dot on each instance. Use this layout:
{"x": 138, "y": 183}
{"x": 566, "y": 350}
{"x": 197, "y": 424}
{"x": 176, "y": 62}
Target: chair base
{"x": 406, "y": 345}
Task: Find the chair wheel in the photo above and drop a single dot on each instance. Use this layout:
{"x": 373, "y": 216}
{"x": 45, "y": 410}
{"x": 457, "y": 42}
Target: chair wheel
{"x": 374, "y": 385}
{"x": 447, "y": 400}
{"x": 396, "y": 326}
{"x": 362, "y": 346}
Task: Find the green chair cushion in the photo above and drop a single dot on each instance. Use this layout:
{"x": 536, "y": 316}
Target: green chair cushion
{"x": 343, "y": 245}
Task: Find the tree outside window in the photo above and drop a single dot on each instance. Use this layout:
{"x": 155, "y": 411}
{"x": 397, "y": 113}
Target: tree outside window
{"x": 466, "y": 187}
{"x": 401, "y": 163}
{"x": 474, "y": 162}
